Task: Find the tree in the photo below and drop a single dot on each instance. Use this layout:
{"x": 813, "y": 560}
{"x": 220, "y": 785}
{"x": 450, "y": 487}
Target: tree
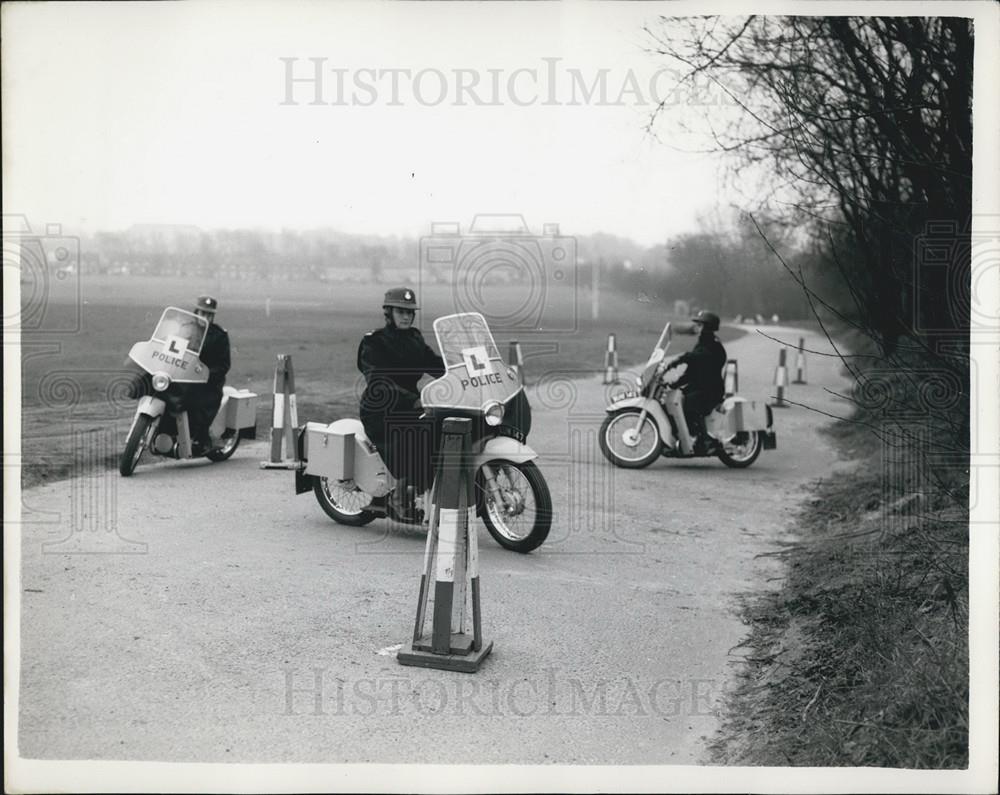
{"x": 867, "y": 126}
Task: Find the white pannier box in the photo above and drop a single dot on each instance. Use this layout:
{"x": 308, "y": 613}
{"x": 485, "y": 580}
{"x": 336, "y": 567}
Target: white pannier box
{"x": 241, "y": 409}
{"x": 328, "y": 453}
{"x": 738, "y": 415}
{"x": 341, "y": 451}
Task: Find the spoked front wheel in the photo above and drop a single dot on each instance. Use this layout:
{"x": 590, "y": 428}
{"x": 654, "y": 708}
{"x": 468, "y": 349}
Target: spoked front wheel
{"x": 626, "y": 443}
{"x": 517, "y": 507}
{"x": 138, "y": 440}
{"x": 342, "y": 501}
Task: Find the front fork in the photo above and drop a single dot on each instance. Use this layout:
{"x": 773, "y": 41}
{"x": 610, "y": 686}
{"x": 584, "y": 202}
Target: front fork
{"x": 643, "y": 413}
{"x": 500, "y": 496}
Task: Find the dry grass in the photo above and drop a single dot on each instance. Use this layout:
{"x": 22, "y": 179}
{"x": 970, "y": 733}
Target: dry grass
{"x": 861, "y": 658}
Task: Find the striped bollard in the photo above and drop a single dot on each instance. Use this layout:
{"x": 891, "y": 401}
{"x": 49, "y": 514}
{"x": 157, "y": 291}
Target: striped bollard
{"x": 732, "y": 378}
{"x": 451, "y": 566}
{"x": 800, "y": 363}
{"x": 516, "y": 360}
{"x": 611, "y": 361}
{"x": 780, "y": 381}
{"x": 284, "y": 414}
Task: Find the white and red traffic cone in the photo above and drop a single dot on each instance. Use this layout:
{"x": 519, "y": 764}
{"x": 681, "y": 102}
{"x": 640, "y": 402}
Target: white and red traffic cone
{"x": 516, "y": 360}
{"x": 611, "y": 361}
{"x": 780, "y": 381}
{"x": 732, "y": 378}
{"x": 284, "y": 417}
{"x": 451, "y": 566}
{"x": 800, "y": 363}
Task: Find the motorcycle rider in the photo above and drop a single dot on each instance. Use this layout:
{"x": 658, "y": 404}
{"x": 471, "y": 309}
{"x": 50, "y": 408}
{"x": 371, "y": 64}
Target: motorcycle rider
{"x": 702, "y": 382}
{"x": 202, "y": 400}
{"x": 392, "y": 360}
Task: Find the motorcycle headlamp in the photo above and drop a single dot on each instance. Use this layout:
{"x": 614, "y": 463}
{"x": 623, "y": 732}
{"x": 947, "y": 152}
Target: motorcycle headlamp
{"x": 493, "y": 413}
{"x": 161, "y": 381}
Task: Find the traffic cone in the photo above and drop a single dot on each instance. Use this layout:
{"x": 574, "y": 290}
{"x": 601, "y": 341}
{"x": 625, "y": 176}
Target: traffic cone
{"x": 800, "y": 363}
{"x": 611, "y": 361}
{"x": 451, "y": 566}
{"x": 284, "y": 417}
{"x": 732, "y": 378}
{"x": 780, "y": 381}
{"x": 516, "y": 360}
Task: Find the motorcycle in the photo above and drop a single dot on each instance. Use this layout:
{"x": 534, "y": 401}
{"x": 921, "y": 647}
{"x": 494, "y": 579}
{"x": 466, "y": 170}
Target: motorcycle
{"x": 644, "y": 424}
{"x": 160, "y": 424}
{"x": 352, "y": 484}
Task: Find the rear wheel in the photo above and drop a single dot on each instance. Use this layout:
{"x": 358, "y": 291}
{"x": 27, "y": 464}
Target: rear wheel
{"x": 626, "y": 445}
{"x": 520, "y": 517}
{"x": 742, "y": 450}
{"x": 138, "y": 440}
{"x": 343, "y": 501}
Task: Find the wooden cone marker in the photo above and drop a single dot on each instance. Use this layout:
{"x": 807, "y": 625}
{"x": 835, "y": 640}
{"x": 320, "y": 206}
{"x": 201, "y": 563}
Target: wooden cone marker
{"x": 516, "y": 360}
{"x": 451, "y": 566}
{"x": 780, "y": 381}
{"x": 284, "y": 417}
{"x": 800, "y": 363}
{"x": 611, "y": 361}
{"x": 732, "y": 378}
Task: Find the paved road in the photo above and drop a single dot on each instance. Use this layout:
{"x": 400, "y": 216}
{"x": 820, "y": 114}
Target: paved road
{"x": 204, "y": 613}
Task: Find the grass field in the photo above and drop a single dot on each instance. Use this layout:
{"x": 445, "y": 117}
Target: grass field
{"x": 72, "y": 366}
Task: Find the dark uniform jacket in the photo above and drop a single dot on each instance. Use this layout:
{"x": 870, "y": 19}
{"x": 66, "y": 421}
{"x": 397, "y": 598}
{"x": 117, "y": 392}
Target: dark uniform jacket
{"x": 202, "y": 401}
{"x": 392, "y": 361}
{"x": 705, "y": 362}
{"x": 215, "y": 355}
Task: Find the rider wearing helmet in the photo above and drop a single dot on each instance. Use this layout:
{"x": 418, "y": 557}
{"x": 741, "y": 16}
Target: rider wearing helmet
{"x": 202, "y": 400}
{"x": 703, "y": 380}
{"x": 392, "y": 360}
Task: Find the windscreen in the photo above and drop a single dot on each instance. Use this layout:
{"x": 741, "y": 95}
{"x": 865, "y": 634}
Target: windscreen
{"x": 476, "y": 374}
{"x": 459, "y": 336}
{"x": 185, "y": 330}
{"x": 174, "y": 347}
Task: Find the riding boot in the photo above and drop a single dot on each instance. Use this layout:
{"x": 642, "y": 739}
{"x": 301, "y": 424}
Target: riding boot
{"x": 399, "y": 503}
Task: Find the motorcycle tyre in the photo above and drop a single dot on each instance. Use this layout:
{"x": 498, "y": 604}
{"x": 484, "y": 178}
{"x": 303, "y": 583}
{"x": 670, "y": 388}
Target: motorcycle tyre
{"x": 134, "y": 445}
{"x": 641, "y": 463}
{"x": 543, "y": 509}
{"x": 359, "y": 519}
{"x": 742, "y": 463}
{"x": 224, "y": 452}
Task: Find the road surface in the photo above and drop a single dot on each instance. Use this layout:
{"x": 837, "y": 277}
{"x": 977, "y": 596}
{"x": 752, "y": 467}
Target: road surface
{"x": 202, "y": 612}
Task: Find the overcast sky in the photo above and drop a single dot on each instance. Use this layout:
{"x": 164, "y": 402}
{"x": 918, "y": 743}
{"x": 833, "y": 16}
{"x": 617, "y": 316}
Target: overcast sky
{"x": 117, "y": 114}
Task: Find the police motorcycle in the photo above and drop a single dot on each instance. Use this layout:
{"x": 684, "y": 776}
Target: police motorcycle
{"x": 160, "y": 424}
{"x": 641, "y": 425}
{"x": 352, "y": 483}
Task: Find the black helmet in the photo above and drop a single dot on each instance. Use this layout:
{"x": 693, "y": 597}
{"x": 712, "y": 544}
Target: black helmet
{"x": 400, "y": 298}
{"x": 709, "y": 320}
{"x": 206, "y": 303}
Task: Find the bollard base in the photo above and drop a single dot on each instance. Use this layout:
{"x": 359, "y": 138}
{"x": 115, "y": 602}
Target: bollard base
{"x": 420, "y": 655}
{"x": 800, "y": 383}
